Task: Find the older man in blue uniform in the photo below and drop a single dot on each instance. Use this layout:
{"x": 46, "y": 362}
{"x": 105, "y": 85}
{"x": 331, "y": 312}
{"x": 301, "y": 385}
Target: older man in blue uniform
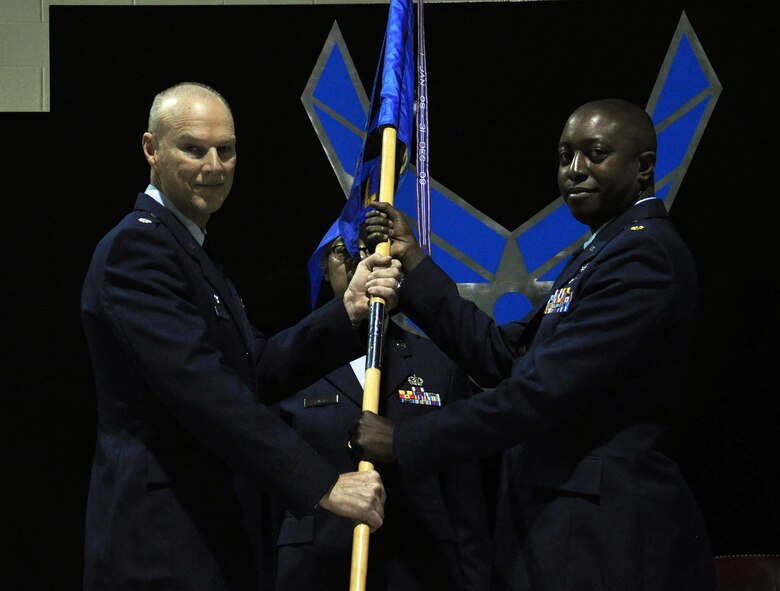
{"x": 183, "y": 440}
{"x": 587, "y": 382}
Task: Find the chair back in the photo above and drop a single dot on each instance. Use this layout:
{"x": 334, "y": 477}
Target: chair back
{"x": 748, "y": 572}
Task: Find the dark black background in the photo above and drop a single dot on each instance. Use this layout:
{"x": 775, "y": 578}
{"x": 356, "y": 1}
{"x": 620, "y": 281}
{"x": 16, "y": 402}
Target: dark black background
{"x": 502, "y": 79}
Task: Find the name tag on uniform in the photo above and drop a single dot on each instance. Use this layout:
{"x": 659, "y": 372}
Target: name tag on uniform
{"x": 417, "y": 395}
{"x": 559, "y": 301}
{"x": 320, "y": 401}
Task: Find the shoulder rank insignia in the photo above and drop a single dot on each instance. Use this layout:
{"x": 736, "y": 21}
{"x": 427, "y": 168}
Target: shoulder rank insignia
{"x": 144, "y": 221}
{"x": 636, "y": 228}
{"x": 559, "y": 301}
{"x": 419, "y": 396}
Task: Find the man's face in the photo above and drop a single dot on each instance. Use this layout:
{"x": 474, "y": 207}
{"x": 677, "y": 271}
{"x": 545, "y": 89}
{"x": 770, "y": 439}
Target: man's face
{"x": 598, "y": 167}
{"x": 341, "y": 266}
{"x": 193, "y": 159}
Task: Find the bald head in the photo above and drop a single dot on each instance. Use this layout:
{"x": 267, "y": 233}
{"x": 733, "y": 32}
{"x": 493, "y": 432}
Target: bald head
{"x": 606, "y": 160}
{"x": 191, "y": 149}
{"x": 168, "y": 103}
{"x": 634, "y": 122}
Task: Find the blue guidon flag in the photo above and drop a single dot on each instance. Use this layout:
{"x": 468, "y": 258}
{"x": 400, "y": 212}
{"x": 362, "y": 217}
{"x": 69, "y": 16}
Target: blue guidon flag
{"x": 392, "y": 104}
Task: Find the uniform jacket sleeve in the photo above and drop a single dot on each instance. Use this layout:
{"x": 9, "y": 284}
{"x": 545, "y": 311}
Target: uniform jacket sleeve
{"x": 488, "y": 352}
{"x": 196, "y": 362}
{"x": 624, "y": 301}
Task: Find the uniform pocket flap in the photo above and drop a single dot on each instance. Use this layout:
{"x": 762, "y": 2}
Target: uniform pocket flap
{"x": 296, "y": 531}
{"x": 554, "y": 473}
{"x": 443, "y": 530}
{"x": 155, "y": 474}
{"x": 429, "y": 525}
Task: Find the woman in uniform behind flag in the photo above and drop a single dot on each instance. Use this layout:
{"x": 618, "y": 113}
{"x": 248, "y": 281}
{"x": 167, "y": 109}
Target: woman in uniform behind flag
{"x": 436, "y": 529}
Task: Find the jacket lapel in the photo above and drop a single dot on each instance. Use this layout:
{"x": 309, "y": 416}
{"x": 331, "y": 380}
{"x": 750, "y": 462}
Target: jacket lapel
{"x": 394, "y": 373}
{"x": 635, "y": 213}
{"x": 223, "y": 289}
{"x": 345, "y": 381}
{"x": 580, "y": 260}
{"x": 399, "y": 358}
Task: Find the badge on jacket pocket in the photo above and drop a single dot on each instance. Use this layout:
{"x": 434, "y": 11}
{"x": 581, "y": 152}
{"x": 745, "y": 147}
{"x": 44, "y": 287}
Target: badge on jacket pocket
{"x": 220, "y": 308}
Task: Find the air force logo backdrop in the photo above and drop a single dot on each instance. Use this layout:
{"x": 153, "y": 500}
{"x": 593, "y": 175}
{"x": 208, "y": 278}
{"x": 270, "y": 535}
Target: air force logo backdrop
{"x": 505, "y": 271}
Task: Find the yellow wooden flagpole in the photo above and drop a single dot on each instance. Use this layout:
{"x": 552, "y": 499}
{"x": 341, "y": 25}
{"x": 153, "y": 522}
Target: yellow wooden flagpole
{"x": 357, "y": 579}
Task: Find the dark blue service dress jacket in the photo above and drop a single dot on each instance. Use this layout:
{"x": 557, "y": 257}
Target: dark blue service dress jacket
{"x": 586, "y": 386}
{"x": 436, "y": 531}
{"x": 182, "y": 436}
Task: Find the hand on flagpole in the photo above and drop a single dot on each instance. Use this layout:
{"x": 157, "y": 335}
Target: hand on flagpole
{"x": 385, "y": 222}
{"x": 358, "y": 495}
{"x": 371, "y": 438}
{"x": 376, "y": 276}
